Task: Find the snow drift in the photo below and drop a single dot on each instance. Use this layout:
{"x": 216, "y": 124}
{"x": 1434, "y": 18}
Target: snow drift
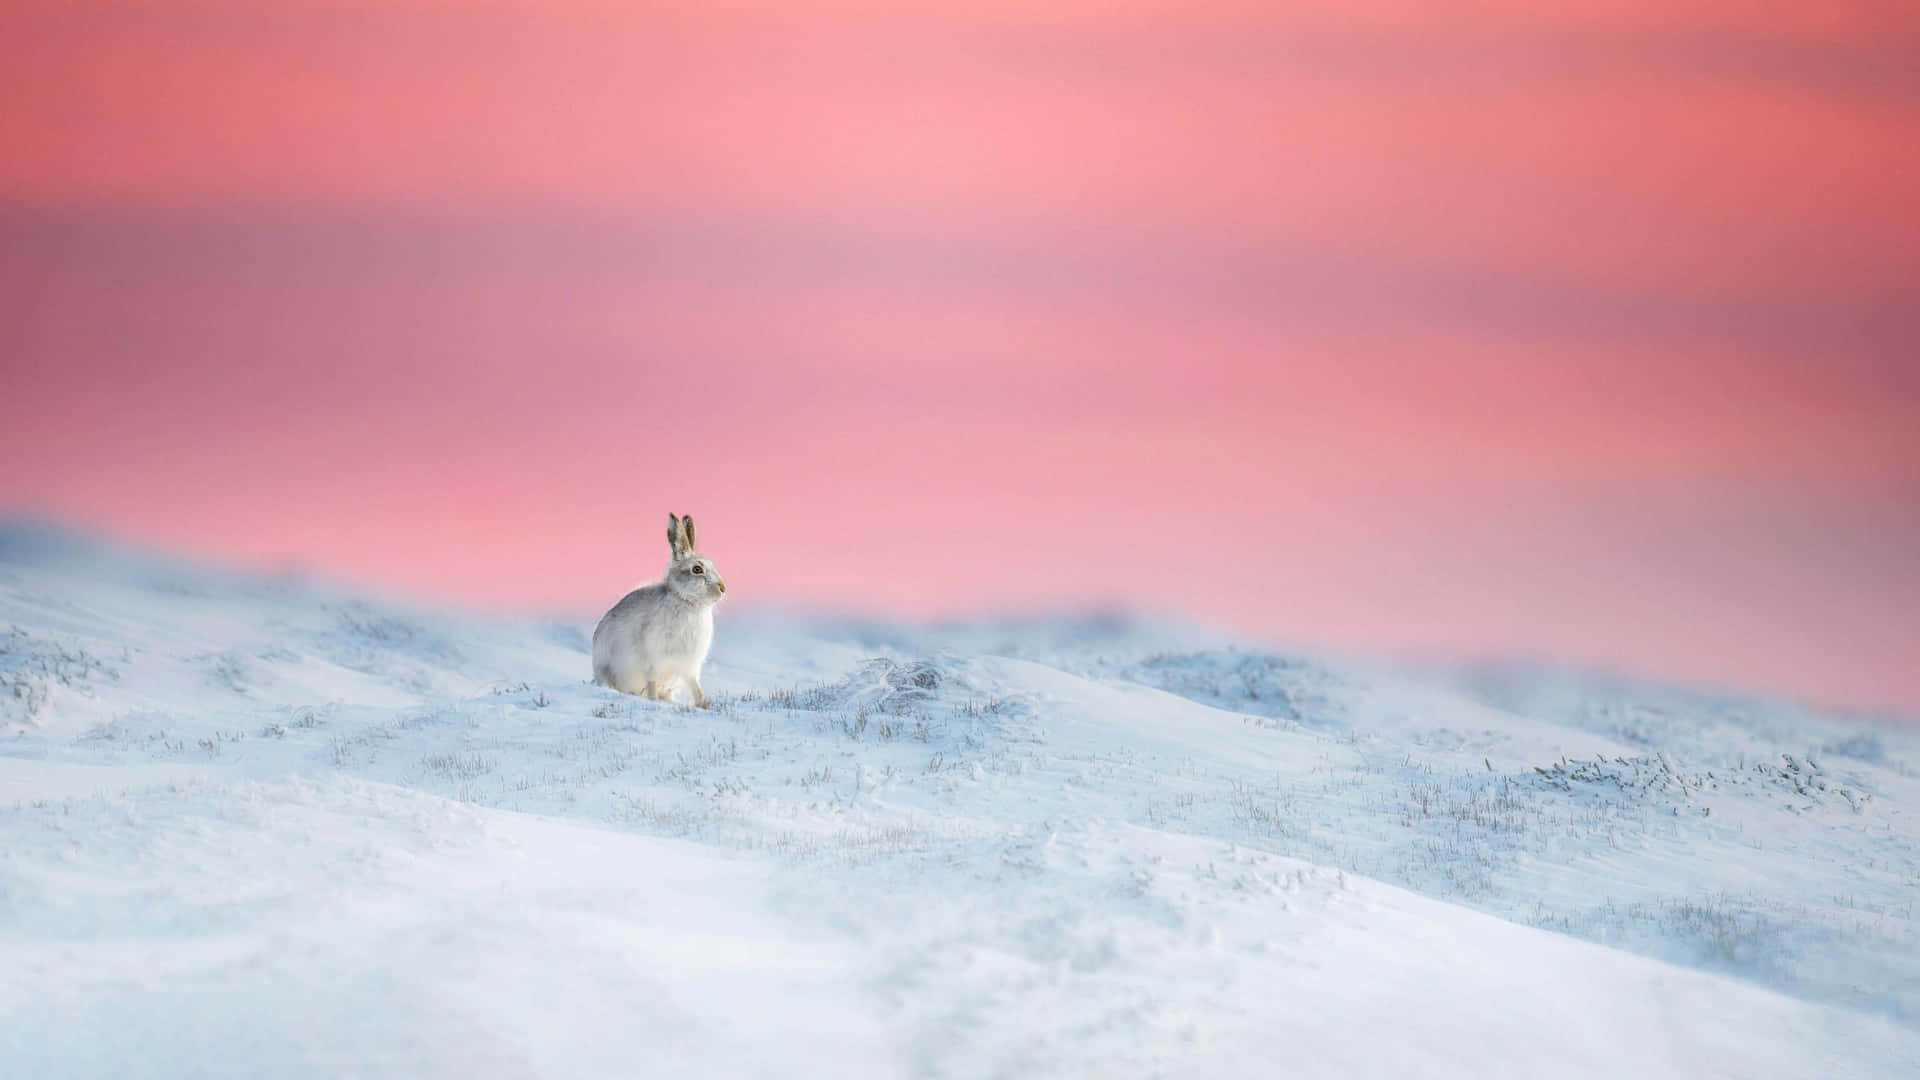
{"x": 257, "y": 826}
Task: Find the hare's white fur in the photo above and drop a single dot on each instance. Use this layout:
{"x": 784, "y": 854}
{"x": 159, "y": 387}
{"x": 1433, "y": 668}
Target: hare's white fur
{"x": 658, "y": 635}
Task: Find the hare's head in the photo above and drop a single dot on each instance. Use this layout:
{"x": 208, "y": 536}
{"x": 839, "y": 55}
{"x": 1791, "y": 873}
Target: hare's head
{"x": 691, "y": 575}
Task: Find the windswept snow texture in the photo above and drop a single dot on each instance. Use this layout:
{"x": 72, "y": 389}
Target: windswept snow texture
{"x": 258, "y": 827}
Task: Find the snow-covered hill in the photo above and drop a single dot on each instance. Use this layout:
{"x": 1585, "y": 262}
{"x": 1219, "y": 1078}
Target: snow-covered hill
{"x": 253, "y": 826}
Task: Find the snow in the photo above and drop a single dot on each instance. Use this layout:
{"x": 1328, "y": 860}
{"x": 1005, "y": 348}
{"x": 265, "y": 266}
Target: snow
{"x": 260, "y": 826}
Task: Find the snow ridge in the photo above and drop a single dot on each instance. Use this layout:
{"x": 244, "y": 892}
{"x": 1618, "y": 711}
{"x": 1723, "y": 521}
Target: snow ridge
{"x": 258, "y": 826}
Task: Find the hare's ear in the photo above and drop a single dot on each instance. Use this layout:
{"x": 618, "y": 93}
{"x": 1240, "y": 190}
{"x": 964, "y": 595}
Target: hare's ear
{"x": 686, "y": 533}
{"x": 677, "y": 536}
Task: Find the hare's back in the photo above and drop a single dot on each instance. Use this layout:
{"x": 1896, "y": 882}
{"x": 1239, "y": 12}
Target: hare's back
{"x": 632, "y": 610}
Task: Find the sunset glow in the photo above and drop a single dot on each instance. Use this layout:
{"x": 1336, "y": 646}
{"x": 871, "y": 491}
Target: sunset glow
{"x": 1467, "y": 331}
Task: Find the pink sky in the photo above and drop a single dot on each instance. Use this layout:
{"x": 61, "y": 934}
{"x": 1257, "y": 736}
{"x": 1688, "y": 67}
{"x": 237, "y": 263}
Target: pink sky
{"x": 1467, "y": 331}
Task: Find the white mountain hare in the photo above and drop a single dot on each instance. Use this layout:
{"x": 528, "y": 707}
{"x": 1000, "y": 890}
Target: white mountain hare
{"x": 659, "y": 634}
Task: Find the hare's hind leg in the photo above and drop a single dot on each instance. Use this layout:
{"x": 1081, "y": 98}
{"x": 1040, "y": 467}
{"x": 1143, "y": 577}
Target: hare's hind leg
{"x": 699, "y": 695}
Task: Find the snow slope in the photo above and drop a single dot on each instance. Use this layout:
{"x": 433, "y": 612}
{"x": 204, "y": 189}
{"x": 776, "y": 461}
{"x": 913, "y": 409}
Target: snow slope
{"x": 256, "y": 826}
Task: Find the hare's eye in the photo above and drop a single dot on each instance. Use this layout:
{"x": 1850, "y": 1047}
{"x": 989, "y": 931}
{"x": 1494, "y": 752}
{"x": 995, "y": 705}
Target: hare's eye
{"x": 698, "y": 569}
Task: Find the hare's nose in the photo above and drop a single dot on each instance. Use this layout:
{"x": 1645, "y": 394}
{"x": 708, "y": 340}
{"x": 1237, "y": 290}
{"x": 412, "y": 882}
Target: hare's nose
{"x": 722, "y": 585}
